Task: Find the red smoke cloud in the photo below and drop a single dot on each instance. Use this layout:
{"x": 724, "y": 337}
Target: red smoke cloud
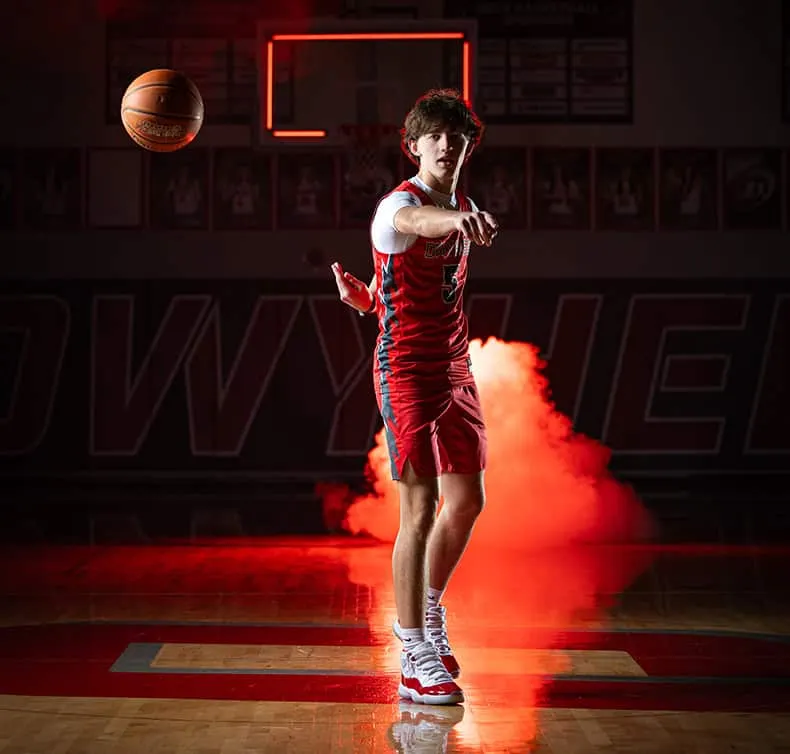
{"x": 546, "y": 485}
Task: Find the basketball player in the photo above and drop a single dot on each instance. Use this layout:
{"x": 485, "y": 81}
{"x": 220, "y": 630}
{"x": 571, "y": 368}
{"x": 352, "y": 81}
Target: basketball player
{"x": 185, "y": 195}
{"x": 308, "y": 189}
{"x": 500, "y": 193}
{"x": 243, "y": 193}
{"x": 421, "y": 235}
{"x": 691, "y": 193}
{"x": 53, "y": 195}
{"x": 626, "y": 194}
{"x": 559, "y": 193}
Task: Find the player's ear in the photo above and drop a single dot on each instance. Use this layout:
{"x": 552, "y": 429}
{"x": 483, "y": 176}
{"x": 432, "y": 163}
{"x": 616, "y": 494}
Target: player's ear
{"x": 412, "y": 145}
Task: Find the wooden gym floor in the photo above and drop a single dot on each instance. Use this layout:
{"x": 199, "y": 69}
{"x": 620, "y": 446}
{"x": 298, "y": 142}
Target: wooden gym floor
{"x": 285, "y": 646}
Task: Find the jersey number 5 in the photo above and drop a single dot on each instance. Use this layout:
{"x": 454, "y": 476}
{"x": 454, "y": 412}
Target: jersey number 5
{"x": 449, "y": 283}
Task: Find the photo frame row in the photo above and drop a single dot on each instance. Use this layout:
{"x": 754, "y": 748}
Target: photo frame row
{"x": 539, "y": 188}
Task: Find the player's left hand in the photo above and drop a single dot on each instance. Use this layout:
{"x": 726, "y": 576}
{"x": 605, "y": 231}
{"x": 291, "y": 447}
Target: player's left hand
{"x": 479, "y": 227}
{"x": 351, "y": 289}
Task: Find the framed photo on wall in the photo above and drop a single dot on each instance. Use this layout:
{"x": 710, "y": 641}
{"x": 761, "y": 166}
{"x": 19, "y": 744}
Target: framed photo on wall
{"x": 688, "y": 189}
{"x": 9, "y": 188}
{"x": 364, "y": 179}
{"x": 179, "y": 195}
{"x": 242, "y": 190}
{"x": 496, "y": 182}
{"x": 306, "y": 190}
{"x": 115, "y": 188}
{"x": 752, "y": 189}
{"x": 53, "y": 188}
{"x": 561, "y": 194}
{"x": 624, "y": 193}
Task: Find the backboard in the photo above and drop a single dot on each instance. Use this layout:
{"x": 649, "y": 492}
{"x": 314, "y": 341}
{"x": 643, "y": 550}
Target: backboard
{"x": 315, "y": 80}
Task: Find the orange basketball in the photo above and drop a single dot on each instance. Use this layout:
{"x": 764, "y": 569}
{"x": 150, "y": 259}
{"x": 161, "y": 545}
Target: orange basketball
{"x": 162, "y": 110}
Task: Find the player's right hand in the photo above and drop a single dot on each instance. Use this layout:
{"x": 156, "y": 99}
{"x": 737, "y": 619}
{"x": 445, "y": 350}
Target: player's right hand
{"x": 351, "y": 289}
{"x": 479, "y": 227}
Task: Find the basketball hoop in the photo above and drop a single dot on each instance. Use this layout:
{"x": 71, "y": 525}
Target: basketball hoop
{"x": 365, "y": 144}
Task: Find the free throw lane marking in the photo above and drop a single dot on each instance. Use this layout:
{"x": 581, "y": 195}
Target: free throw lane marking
{"x": 355, "y": 660}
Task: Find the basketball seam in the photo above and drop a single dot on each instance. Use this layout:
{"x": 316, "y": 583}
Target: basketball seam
{"x": 192, "y": 89}
{"x": 140, "y": 111}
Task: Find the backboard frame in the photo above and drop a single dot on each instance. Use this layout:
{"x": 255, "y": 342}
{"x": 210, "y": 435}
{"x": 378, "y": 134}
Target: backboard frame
{"x": 270, "y": 31}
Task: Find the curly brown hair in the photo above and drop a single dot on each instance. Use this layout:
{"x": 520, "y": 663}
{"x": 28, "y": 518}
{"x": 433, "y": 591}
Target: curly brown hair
{"x": 440, "y": 107}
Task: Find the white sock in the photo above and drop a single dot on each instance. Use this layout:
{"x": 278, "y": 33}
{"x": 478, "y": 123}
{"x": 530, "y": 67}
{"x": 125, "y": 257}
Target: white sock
{"x": 412, "y": 636}
{"x": 434, "y": 596}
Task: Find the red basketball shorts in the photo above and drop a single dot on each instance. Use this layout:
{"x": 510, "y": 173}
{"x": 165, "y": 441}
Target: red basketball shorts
{"x": 437, "y": 432}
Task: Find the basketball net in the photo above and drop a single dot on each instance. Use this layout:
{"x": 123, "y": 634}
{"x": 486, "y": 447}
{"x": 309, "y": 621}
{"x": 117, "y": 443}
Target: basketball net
{"x": 365, "y": 140}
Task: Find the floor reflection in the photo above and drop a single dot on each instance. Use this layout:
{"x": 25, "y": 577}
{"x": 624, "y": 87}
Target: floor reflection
{"x": 286, "y": 646}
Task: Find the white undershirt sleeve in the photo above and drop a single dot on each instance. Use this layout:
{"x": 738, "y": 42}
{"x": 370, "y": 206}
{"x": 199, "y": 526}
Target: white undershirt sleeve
{"x": 383, "y": 234}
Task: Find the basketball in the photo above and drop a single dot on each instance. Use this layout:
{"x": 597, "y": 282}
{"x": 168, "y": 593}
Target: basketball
{"x": 162, "y": 110}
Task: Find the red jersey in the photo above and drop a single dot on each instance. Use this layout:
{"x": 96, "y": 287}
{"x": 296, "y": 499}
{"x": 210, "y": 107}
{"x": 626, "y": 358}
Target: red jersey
{"x": 423, "y": 332}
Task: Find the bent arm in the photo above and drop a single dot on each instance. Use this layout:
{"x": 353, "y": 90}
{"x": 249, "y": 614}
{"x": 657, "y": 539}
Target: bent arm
{"x": 426, "y": 221}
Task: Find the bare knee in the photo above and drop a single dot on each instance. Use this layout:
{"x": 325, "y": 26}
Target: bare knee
{"x": 419, "y": 499}
{"x": 464, "y": 496}
{"x": 418, "y": 516}
{"x": 466, "y": 509}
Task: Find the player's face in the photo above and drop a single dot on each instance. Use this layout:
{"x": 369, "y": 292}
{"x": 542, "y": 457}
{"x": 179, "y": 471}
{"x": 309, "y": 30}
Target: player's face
{"x": 441, "y": 151}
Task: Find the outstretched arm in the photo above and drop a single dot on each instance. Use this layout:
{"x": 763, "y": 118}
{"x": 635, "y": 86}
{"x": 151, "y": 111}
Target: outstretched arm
{"x": 435, "y": 222}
